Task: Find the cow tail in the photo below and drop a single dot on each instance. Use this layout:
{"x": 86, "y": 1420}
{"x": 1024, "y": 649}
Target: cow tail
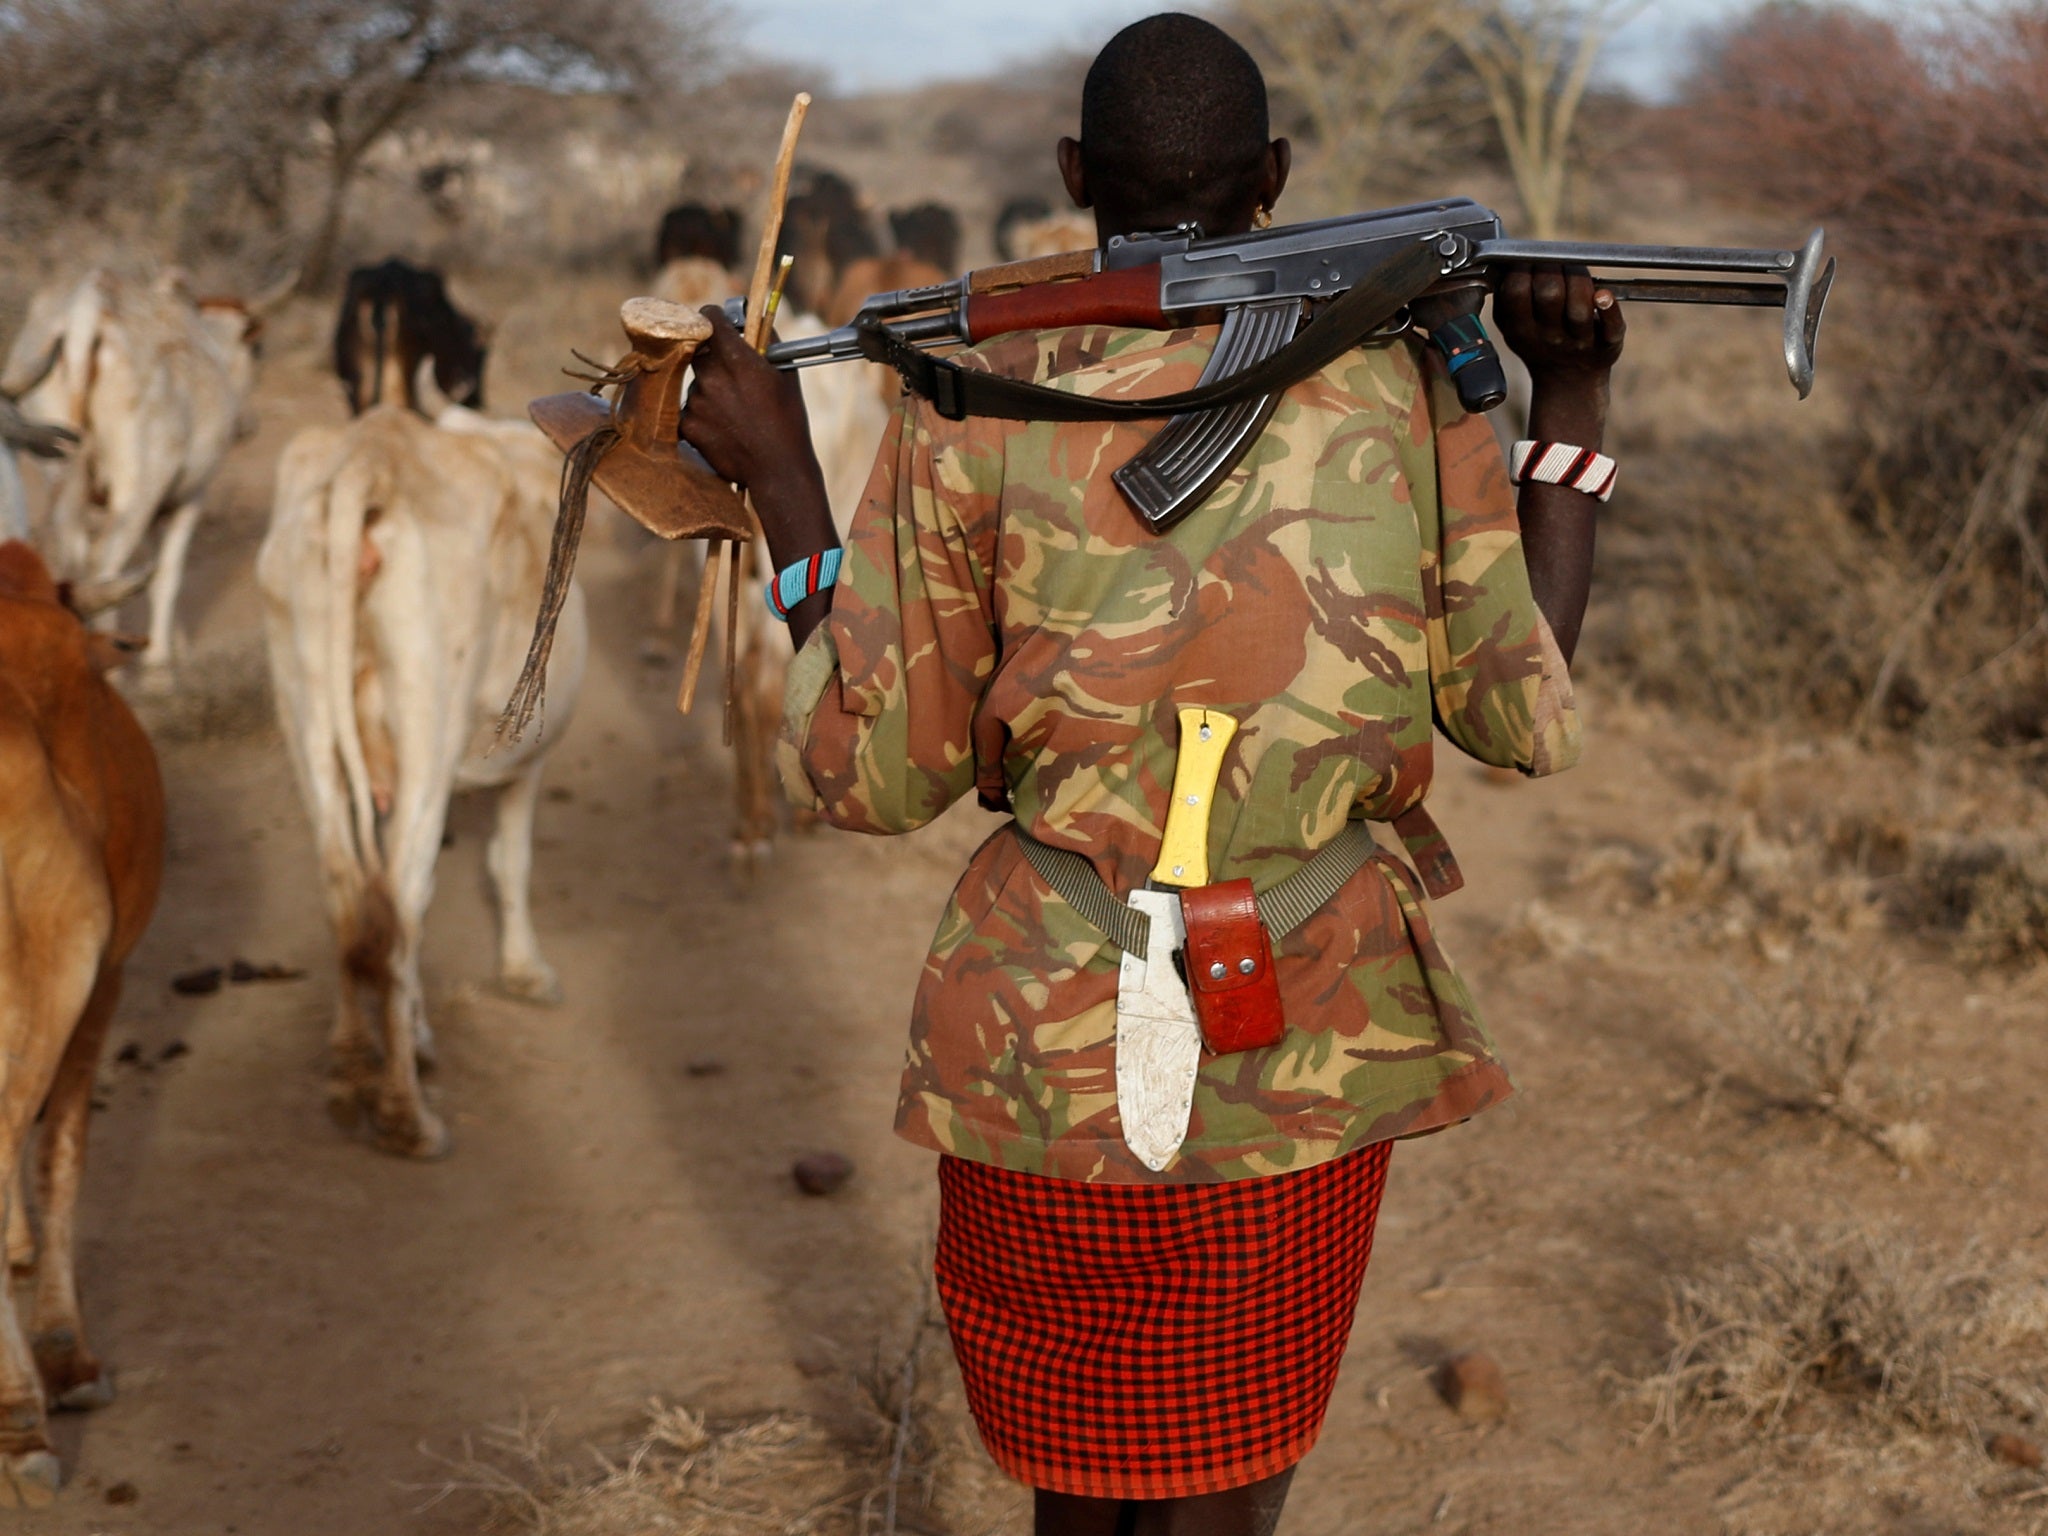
{"x": 354, "y": 491}
{"x": 379, "y": 328}
{"x": 577, "y": 469}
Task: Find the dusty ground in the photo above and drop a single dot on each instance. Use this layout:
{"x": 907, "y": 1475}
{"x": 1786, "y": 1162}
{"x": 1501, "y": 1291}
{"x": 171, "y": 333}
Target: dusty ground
{"x": 302, "y": 1330}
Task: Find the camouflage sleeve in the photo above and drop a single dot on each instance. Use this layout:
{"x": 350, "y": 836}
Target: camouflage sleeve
{"x": 1501, "y": 689}
{"x": 878, "y": 717}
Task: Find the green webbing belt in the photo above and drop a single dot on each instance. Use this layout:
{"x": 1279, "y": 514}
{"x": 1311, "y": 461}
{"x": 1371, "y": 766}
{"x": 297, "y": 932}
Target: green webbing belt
{"x": 1282, "y": 909}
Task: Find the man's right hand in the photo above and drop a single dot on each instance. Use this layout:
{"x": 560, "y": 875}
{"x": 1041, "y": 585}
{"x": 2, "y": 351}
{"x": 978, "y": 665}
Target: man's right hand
{"x": 747, "y": 418}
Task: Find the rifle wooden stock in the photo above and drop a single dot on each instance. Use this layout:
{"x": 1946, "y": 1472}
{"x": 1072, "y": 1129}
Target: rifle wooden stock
{"x": 1126, "y": 297}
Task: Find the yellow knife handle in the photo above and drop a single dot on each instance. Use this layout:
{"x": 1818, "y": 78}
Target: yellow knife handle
{"x": 1184, "y": 849}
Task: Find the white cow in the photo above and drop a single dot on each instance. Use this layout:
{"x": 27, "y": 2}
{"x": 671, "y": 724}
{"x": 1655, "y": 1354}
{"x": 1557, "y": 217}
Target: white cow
{"x": 400, "y": 577}
{"x": 154, "y": 383}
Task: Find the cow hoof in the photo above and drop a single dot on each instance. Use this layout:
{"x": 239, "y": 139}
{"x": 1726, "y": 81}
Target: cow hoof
{"x": 87, "y": 1395}
{"x": 29, "y": 1480}
{"x": 71, "y": 1376}
{"x": 426, "y": 1055}
{"x": 657, "y": 651}
{"x": 345, "y": 1104}
{"x": 540, "y": 985}
{"x": 422, "y": 1140}
{"x": 749, "y": 859}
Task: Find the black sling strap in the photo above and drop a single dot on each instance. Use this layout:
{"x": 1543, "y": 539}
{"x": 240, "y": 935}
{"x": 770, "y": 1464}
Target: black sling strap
{"x": 958, "y": 392}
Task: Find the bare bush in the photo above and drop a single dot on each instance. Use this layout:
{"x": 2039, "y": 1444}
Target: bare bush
{"x": 1920, "y": 144}
{"x": 1854, "y": 1319}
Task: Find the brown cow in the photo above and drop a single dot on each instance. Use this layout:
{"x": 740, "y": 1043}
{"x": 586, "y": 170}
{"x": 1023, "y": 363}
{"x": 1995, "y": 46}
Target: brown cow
{"x": 81, "y": 852}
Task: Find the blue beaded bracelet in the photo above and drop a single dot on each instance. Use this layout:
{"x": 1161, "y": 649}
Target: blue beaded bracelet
{"x": 794, "y": 583}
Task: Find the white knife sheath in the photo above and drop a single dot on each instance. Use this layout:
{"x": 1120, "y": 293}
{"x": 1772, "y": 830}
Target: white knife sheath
{"x": 1158, "y": 1042}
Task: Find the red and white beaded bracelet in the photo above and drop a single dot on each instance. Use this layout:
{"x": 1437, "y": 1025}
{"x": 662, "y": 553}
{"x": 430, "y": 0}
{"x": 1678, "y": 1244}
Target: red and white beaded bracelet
{"x": 1563, "y": 464}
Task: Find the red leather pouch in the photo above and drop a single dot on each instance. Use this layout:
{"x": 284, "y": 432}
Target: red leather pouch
{"x": 1230, "y": 968}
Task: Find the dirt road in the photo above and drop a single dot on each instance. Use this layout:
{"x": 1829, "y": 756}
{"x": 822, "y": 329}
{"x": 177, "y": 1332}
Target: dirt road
{"x": 301, "y": 1327}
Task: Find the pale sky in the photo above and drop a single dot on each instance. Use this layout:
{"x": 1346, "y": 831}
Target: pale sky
{"x": 868, "y": 43}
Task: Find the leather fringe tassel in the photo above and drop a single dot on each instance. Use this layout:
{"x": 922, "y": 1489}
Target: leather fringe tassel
{"x": 577, "y": 468}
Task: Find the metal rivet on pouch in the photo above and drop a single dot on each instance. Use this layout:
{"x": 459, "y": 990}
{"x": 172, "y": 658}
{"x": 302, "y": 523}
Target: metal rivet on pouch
{"x": 1218, "y": 971}
{"x": 1246, "y": 966}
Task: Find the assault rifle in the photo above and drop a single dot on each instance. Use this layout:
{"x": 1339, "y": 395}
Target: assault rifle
{"x": 1291, "y": 299}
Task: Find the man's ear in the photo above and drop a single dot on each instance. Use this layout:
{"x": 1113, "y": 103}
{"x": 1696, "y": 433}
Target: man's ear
{"x": 1073, "y": 175}
{"x": 1279, "y": 161}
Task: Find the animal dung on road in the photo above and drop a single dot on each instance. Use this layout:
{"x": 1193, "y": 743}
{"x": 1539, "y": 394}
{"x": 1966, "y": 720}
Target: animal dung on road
{"x": 1474, "y": 1387}
{"x": 243, "y": 971}
{"x": 822, "y": 1173}
{"x": 200, "y": 983}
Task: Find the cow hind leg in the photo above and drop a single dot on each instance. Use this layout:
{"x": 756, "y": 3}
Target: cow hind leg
{"x": 72, "y": 1377}
{"x": 164, "y": 583}
{"x": 521, "y": 969}
{"x": 21, "y": 1236}
{"x": 29, "y": 1471}
{"x": 367, "y": 929}
{"x": 402, "y": 1122}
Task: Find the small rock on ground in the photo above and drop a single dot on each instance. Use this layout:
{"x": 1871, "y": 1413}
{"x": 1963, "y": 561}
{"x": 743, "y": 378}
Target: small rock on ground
{"x": 2015, "y": 1451}
{"x": 822, "y": 1173}
{"x": 1474, "y": 1387}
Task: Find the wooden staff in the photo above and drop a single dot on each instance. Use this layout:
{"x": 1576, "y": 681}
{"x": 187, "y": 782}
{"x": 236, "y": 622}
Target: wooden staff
{"x": 759, "y": 320}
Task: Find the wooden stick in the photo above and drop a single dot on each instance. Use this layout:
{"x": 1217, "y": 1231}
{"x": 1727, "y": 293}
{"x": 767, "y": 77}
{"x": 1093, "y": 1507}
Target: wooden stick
{"x": 734, "y": 567}
{"x": 700, "y": 626}
{"x": 759, "y": 319}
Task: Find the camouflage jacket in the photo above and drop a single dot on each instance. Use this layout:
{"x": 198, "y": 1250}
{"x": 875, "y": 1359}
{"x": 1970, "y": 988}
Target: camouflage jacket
{"x": 1358, "y": 580}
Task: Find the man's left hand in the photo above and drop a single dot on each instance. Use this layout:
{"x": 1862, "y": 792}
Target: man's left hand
{"x": 1560, "y": 323}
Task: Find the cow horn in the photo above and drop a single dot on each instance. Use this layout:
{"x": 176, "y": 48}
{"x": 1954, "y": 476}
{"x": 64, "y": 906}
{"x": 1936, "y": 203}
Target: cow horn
{"x": 426, "y": 390}
{"x": 98, "y": 594}
{"x": 44, "y": 439}
{"x": 266, "y": 301}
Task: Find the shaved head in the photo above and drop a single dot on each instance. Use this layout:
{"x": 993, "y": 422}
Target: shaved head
{"x": 1174, "y": 126}
{"x": 1173, "y": 131}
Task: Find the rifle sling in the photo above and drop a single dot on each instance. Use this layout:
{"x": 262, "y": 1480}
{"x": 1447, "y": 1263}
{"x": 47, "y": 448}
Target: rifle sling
{"x": 957, "y": 392}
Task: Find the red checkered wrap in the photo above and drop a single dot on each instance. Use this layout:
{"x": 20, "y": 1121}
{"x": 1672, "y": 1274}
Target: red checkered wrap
{"x": 1153, "y": 1341}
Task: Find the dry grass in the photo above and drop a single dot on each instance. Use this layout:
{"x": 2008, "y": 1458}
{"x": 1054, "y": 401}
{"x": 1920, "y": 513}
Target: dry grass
{"x": 1813, "y": 1329}
{"x": 777, "y": 1473}
{"x": 893, "y": 1466}
{"x": 1823, "y": 840}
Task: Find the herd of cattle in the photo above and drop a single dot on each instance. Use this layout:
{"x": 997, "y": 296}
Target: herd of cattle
{"x": 399, "y": 578}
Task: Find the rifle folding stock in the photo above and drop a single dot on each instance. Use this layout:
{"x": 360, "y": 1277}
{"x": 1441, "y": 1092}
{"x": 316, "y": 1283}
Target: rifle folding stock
{"x": 1262, "y": 283}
